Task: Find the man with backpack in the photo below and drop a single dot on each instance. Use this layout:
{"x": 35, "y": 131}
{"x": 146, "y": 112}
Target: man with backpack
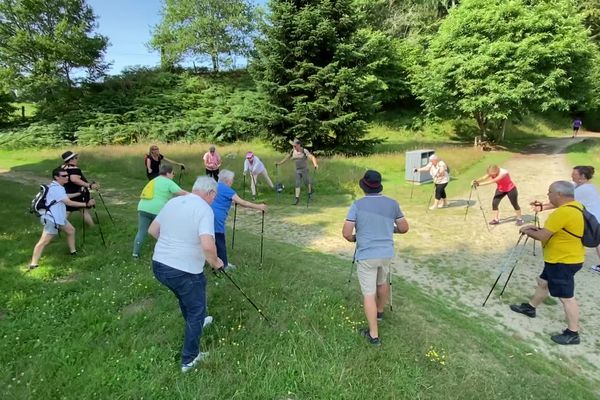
{"x": 564, "y": 254}
{"x": 53, "y": 214}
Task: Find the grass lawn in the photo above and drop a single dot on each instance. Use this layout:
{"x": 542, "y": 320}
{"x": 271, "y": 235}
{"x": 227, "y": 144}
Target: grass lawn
{"x": 100, "y": 326}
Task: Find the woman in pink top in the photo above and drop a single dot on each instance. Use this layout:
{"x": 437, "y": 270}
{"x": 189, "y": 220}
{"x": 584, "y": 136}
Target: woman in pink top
{"x": 505, "y": 187}
{"x": 212, "y": 162}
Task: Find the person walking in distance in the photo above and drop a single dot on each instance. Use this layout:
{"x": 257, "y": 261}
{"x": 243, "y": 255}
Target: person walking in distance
{"x": 212, "y": 162}
{"x": 225, "y": 197}
{"x": 300, "y": 156}
{"x": 585, "y": 193}
{"x": 371, "y": 223}
{"x": 504, "y": 187}
{"x": 439, "y": 172}
{"x": 576, "y": 125}
{"x": 184, "y": 230}
{"x": 55, "y": 216}
{"x": 563, "y": 257}
{"x": 255, "y": 167}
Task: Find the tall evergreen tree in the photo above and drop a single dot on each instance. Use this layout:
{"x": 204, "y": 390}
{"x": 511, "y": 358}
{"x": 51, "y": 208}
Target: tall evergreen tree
{"x": 316, "y": 67}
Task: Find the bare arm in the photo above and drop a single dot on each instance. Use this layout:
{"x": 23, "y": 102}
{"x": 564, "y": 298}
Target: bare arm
{"x": 401, "y": 225}
{"x": 181, "y": 193}
{"x": 348, "y": 231}
{"x": 173, "y": 161}
{"x": 424, "y": 168}
{"x": 154, "y": 229}
{"x": 314, "y": 160}
{"x": 79, "y": 204}
{"x": 148, "y": 165}
{"x": 210, "y": 251}
{"x": 285, "y": 159}
{"x": 541, "y": 234}
{"x": 237, "y": 199}
{"x": 76, "y": 179}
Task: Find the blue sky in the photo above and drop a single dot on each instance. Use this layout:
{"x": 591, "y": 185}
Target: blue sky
{"x": 128, "y": 25}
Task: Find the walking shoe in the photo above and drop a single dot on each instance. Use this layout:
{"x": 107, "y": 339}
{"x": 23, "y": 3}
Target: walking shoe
{"x": 134, "y": 255}
{"x": 32, "y": 267}
{"x": 310, "y": 195}
{"x": 73, "y": 253}
{"x": 296, "y": 201}
{"x": 207, "y": 321}
{"x": 524, "y": 308}
{"x": 364, "y": 332}
{"x": 380, "y": 316}
{"x": 253, "y": 198}
{"x": 230, "y": 267}
{"x": 595, "y": 268}
{"x": 520, "y": 221}
{"x": 186, "y": 367}
{"x": 567, "y": 337}
{"x": 494, "y": 222}
{"x": 433, "y": 207}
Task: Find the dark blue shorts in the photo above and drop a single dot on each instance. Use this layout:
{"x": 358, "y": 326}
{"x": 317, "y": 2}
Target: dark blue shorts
{"x": 561, "y": 279}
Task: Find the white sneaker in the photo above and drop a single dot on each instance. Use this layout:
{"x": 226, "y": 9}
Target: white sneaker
{"x": 186, "y": 367}
{"x": 207, "y": 321}
{"x": 230, "y": 267}
{"x": 595, "y": 268}
{"x": 433, "y": 207}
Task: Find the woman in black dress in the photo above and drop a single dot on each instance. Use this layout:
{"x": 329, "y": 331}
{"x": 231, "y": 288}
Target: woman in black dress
{"x": 77, "y": 184}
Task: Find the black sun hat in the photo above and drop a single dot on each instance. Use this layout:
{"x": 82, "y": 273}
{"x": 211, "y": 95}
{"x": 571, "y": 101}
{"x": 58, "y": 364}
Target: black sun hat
{"x": 67, "y": 155}
{"x": 371, "y": 182}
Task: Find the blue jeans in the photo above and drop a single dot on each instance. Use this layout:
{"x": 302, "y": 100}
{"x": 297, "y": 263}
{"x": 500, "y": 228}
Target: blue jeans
{"x": 144, "y": 221}
{"x": 190, "y": 290}
{"x": 221, "y": 244}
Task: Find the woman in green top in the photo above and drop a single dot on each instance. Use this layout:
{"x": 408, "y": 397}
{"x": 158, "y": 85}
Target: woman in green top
{"x": 154, "y": 196}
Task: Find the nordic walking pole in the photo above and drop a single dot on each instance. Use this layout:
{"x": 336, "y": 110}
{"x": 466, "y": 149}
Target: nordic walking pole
{"x": 505, "y": 265}
{"x": 352, "y": 265}
{"x": 234, "y": 218}
{"x": 277, "y": 183}
{"x": 412, "y": 188}
{"x": 245, "y": 295}
{"x": 244, "y": 185}
{"x": 99, "y": 226}
{"x": 82, "y": 228}
{"x": 106, "y": 208}
{"x": 181, "y": 169}
{"x": 311, "y": 184}
{"x": 536, "y": 222}
{"x": 469, "y": 202}
{"x": 430, "y": 198}
{"x": 262, "y": 237}
{"x": 481, "y": 208}
{"x": 514, "y": 266}
{"x": 391, "y": 291}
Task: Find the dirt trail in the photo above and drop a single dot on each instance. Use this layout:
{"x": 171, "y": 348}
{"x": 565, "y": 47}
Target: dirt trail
{"x": 460, "y": 260}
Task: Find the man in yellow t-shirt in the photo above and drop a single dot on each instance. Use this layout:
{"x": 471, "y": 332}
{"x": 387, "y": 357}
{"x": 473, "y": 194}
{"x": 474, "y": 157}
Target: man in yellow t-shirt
{"x": 563, "y": 257}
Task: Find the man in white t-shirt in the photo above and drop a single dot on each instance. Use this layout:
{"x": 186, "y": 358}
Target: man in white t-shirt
{"x": 55, "y": 216}
{"x": 184, "y": 230}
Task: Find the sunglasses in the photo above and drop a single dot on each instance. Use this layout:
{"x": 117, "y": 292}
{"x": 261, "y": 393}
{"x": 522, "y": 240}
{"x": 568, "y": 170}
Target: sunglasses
{"x": 64, "y": 176}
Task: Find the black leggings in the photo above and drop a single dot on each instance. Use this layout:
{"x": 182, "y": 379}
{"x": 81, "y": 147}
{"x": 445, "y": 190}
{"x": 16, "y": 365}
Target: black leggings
{"x": 513, "y": 196}
{"x": 214, "y": 174}
{"x": 440, "y": 190}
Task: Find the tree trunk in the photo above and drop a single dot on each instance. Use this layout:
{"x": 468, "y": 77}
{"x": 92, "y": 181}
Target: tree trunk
{"x": 503, "y": 129}
{"x": 481, "y": 123}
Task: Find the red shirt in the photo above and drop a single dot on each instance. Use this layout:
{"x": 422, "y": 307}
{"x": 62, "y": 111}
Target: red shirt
{"x": 505, "y": 184}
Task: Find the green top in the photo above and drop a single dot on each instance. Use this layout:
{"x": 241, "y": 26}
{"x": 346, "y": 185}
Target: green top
{"x": 164, "y": 188}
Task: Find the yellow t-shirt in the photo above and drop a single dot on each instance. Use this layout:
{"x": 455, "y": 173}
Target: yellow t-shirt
{"x": 563, "y": 247}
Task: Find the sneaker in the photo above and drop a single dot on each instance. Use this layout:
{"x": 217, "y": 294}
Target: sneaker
{"x": 520, "y": 221}
{"x": 73, "y": 253}
{"x": 443, "y": 206}
{"x": 134, "y": 255}
{"x": 230, "y": 267}
{"x": 310, "y": 195}
{"x": 567, "y": 337}
{"x": 186, "y": 367}
{"x": 595, "y": 268}
{"x": 524, "y": 308}
{"x": 207, "y": 321}
{"x": 433, "y": 207}
{"x": 380, "y": 316}
{"x": 253, "y": 198}
{"x": 494, "y": 222}
{"x": 32, "y": 267}
{"x": 364, "y": 332}
{"x": 296, "y": 201}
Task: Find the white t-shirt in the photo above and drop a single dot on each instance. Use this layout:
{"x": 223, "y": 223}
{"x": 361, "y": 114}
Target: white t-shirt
{"x": 182, "y": 220}
{"x": 255, "y": 168}
{"x": 438, "y": 172}
{"x": 587, "y": 195}
{"x": 57, "y": 212}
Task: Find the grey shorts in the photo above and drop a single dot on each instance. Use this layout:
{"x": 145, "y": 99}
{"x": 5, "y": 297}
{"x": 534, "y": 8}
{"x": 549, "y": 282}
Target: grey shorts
{"x": 302, "y": 176}
{"x": 50, "y": 227}
{"x": 372, "y": 273}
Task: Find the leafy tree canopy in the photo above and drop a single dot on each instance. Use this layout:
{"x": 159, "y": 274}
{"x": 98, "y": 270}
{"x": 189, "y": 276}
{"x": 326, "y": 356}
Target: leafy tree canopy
{"x": 42, "y": 44}
{"x": 496, "y": 58}
{"x": 200, "y": 29}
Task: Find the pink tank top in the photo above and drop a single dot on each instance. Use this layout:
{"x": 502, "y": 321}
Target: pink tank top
{"x": 505, "y": 184}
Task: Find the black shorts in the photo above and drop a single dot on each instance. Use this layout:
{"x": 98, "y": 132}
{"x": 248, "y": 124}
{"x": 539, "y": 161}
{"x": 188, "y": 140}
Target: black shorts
{"x": 561, "y": 279}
